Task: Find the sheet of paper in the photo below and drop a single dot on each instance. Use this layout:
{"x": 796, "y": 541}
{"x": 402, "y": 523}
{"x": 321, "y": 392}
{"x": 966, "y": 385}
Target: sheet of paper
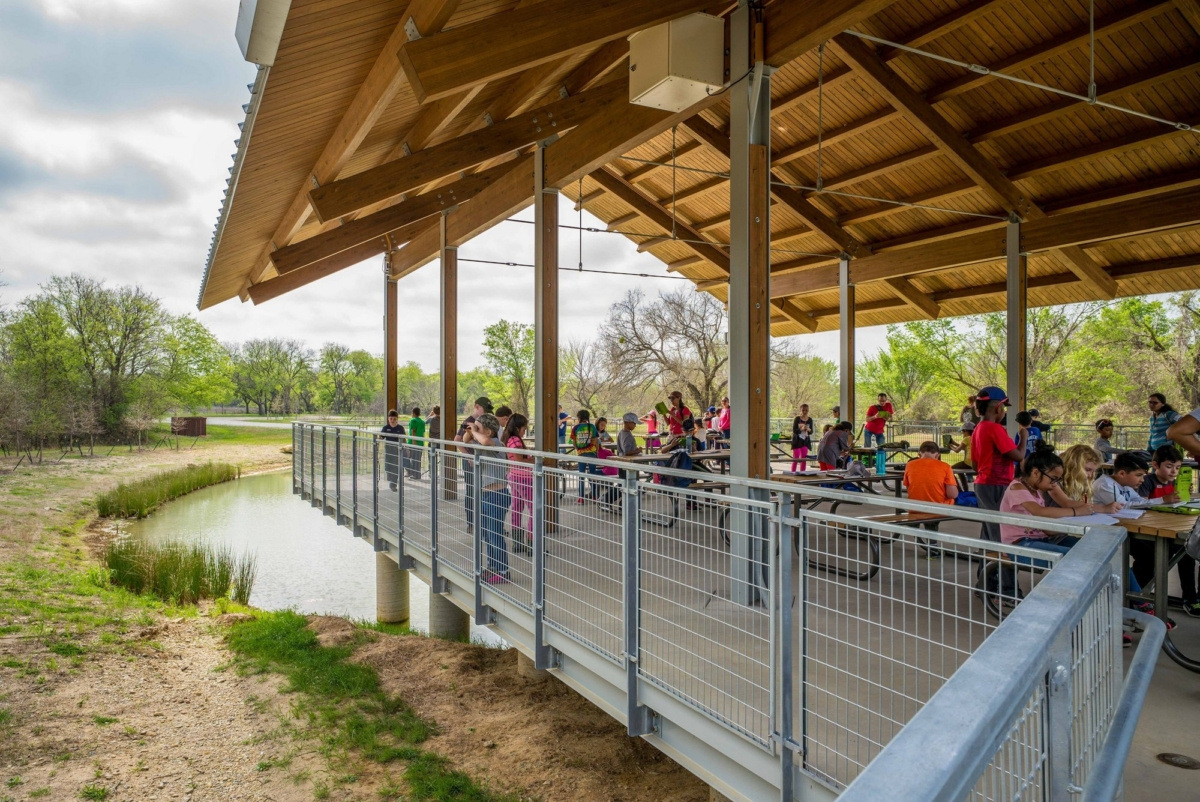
{"x": 1129, "y": 513}
{"x": 1089, "y": 520}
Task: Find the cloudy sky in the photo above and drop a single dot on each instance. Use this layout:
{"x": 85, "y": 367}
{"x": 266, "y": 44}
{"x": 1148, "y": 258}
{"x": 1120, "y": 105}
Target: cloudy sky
{"x": 118, "y": 123}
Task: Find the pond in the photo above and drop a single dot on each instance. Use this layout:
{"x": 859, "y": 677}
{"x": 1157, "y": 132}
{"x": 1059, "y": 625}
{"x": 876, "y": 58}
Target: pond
{"x": 305, "y": 561}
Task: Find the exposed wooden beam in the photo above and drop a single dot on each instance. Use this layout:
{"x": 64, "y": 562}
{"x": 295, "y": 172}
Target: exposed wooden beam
{"x": 837, "y": 236}
{"x": 912, "y": 296}
{"x": 590, "y": 146}
{"x": 989, "y": 178}
{"x": 286, "y": 282}
{"x": 394, "y": 178}
{"x": 508, "y": 43}
{"x": 652, "y": 211}
{"x": 370, "y": 101}
{"x": 921, "y": 114}
{"x": 376, "y": 225}
{"x": 791, "y": 29}
{"x": 1122, "y": 273}
{"x": 644, "y": 171}
{"x": 1127, "y": 218}
{"x": 834, "y": 136}
{"x": 1190, "y": 9}
{"x": 1105, "y": 26}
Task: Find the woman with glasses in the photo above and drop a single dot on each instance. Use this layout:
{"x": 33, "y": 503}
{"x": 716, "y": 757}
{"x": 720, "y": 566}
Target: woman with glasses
{"x": 1162, "y": 415}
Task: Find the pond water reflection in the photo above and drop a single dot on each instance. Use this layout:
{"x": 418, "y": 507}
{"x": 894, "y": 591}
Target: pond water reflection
{"x": 305, "y": 561}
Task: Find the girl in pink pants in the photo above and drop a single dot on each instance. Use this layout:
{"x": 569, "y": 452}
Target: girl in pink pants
{"x": 520, "y": 481}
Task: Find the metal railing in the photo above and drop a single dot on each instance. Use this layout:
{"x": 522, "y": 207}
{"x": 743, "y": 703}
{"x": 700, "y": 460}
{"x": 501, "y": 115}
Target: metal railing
{"x": 772, "y": 646}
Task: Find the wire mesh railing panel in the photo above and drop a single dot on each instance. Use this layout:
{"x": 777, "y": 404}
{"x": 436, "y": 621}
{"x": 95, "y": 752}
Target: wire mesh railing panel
{"x": 889, "y": 614}
{"x": 345, "y": 480}
{"x": 368, "y": 472}
{"x": 456, "y": 512}
{"x": 1096, "y": 679}
{"x": 583, "y": 560}
{"x": 705, "y": 623}
{"x": 506, "y": 553}
{"x": 297, "y": 458}
{"x": 418, "y": 507}
{"x": 329, "y": 478}
{"x": 1017, "y": 772}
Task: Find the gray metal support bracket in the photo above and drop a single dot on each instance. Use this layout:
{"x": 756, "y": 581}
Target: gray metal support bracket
{"x": 353, "y": 483}
{"x": 375, "y": 539}
{"x": 1058, "y": 719}
{"x": 544, "y": 656}
{"x": 484, "y": 615}
{"x": 437, "y": 583}
{"x": 784, "y": 705}
{"x": 640, "y": 720}
{"x": 337, "y": 476}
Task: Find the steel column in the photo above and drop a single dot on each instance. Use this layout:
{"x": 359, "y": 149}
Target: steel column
{"x": 639, "y": 718}
{"x": 543, "y": 654}
{"x": 846, "y": 369}
{"x": 749, "y": 290}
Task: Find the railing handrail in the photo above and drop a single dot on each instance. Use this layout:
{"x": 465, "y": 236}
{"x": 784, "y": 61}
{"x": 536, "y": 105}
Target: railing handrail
{"x": 965, "y": 722}
{"x": 951, "y": 510}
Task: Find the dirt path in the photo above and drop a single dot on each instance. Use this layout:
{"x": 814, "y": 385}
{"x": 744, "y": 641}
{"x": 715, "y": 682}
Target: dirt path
{"x": 110, "y": 695}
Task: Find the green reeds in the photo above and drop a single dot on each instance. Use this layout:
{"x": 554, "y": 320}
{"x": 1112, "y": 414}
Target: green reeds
{"x": 139, "y": 499}
{"x": 181, "y": 573}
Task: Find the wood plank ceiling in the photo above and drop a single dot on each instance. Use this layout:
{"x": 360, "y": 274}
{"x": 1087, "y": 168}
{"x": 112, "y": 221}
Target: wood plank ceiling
{"x": 914, "y": 156}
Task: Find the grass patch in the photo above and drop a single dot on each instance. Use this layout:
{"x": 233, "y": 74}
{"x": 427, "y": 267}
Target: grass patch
{"x": 138, "y": 499}
{"x": 94, "y": 792}
{"x": 344, "y": 702}
{"x": 104, "y": 721}
{"x": 180, "y": 573}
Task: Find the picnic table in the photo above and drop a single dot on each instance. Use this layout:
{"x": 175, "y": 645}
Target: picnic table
{"x": 1165, "y": 529}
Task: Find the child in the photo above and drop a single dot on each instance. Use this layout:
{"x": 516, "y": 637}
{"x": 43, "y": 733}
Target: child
{"x": 834, "y": 446}
{"x": 802, "y": 429}
{"x": 520, "y": 481}
{"x": 602, "y": 429}
{"x": 1039, "y": 473}
{"x": 1080, "y": 463}
{"x": 1103, "y": 444}
{"x": 1129, "y": 471}
{"x": 626, "y": 445}
{"x": 1025, "y": 420}
{"x": 927, "y": 478}
{"x": 586, "y": 439}
{"x": 964, "y": 447}
{"x": 651, "y": 421}
{"x": 1159, "y": 483}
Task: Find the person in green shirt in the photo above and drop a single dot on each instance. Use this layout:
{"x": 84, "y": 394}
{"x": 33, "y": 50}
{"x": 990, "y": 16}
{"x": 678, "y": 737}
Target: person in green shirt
{"x": 412, "y": 457}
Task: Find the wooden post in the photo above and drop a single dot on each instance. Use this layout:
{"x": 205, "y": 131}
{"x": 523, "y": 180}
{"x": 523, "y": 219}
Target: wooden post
{"x": 846, "y": 308}
{"x": 391, "y": 345}
{"x": 449, "y": 353}
{"x": 545, "y": 258}
{"x": 1017, "y": 288}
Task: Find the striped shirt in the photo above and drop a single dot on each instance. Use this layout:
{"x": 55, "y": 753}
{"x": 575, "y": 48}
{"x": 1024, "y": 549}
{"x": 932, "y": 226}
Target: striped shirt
{"x": 1159, "y": 423}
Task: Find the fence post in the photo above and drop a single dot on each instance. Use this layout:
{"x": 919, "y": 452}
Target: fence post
{"x": 783, "y": 608}
{"x": 639, "y": 718}
{"x": 1058, "y": 715}
{"x": 437, "y": 583}
{"x": 324, "y": 473}
{"x": 543, "y": 656}
{"x": 337, "y": 475}
{"x": 483, "y": 613}
{"x": 297, "y": 460}
{"x": 354, "y": 482}
{"x": 376, "y": 542}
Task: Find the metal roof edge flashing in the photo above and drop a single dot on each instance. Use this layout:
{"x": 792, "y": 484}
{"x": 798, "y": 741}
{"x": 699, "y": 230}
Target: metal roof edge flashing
{"x": 257, "y": 89}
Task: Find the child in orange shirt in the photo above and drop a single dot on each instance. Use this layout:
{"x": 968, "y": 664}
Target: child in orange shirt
{"x": 927, "y": 478}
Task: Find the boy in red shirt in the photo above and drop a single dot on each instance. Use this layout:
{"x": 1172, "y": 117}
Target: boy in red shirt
{"x": 994, "y": 454}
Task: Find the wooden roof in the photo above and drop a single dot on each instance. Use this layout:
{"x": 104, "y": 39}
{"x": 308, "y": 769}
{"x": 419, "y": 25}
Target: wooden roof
{"x": 1111, "y": 201}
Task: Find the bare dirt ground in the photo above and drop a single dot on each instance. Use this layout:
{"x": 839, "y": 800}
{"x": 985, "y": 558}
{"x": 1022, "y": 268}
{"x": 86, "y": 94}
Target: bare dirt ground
{"x": 120, "y": 700}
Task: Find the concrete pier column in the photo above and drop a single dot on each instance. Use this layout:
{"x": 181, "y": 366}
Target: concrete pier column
{"x": 446, "y": 620}
{"x": 391, "y": 591}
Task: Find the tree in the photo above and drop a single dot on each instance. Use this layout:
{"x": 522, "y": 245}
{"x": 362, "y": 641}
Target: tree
{"x": 676, "y": 339}
{"x": 198, "y": 369}
{"x": 258, "y": 368}
{"x": 584, "y": 375}
{"x": 509, "y": 349}
{"x": 800, "y": 377}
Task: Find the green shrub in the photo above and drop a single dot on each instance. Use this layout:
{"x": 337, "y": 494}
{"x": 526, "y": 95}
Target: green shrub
{"x": 180, "y": 573}
{"x": 139, "y": 499}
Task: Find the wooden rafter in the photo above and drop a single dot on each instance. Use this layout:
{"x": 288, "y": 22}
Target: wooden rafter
{"x": 914, "y": 297}
{"x": 517, "y": 40}
{"x": 394, "y": 178}
{"x": 933, "y": 125}
{"x": 1068, "y": 230}
{"x": 372, "y": 98}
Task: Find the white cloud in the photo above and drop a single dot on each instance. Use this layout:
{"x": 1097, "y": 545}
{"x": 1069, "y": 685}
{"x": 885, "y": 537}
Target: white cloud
{"x": 168, "y": 13}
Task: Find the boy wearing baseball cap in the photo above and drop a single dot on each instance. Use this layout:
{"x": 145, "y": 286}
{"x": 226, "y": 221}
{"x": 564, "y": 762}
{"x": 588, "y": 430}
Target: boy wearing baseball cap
{"x": 993, "y": 453}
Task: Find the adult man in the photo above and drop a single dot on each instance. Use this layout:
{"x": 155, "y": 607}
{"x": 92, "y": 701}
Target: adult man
{"x": 482, "y": 405}
{"x": 993, "y": 453}
{"x": 877, "y": 418}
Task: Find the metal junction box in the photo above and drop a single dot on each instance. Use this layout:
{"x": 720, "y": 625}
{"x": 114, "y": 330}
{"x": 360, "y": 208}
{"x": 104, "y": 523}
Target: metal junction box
{"x": 676, "y": 64}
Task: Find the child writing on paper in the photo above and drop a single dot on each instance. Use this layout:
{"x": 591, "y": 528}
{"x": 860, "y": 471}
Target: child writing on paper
{"x": 1129, "y": 471}
{"x": 1041, "y": 471}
